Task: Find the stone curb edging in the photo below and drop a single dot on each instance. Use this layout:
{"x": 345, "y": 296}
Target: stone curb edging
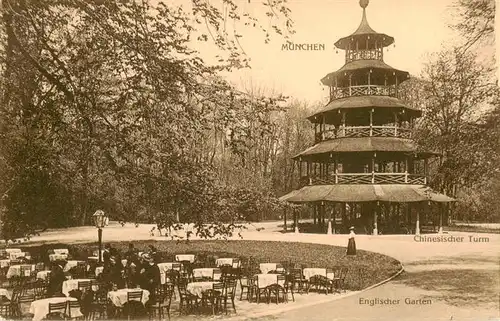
{"x": 308, "y": 304}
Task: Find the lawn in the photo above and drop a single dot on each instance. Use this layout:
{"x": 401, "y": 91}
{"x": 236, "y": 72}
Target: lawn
{"x": 365, "y": 269}
{"x": 470, "y": 288}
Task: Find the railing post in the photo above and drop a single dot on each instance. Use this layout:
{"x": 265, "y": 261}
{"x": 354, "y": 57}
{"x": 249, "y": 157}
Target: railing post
{"x": 373, "y": 177}
{"x": 350, "y": 84}
{"x": 336, "y": 178}
{"x": 406, "y": 177}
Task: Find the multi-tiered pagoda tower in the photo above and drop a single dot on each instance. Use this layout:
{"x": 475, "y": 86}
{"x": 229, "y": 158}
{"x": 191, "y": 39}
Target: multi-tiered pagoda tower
{"x": 363, "y": 169}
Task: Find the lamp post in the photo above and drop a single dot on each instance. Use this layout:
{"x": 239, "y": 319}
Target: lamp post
{"x": 99, "y": 221}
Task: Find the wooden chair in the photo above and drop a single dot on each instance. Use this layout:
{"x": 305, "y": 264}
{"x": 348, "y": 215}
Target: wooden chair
{"x": 61, "y": 307}
{"x": 213, "y": 297}
{"x": 26, "y": 273}
{"x": 161, "y": 303}
{"x": 257, "y": 290}
{"x": 6, "y": 311}
{"x": 245, "y": 283}
{"x": 188, "y": 302}
{"x": 134, "y": 296}
{"x": 84, "y": 285}
{"x": 98, "y": 308}
{"x": 339, "y": 279}
{"x": 74, "y": 305}
{"x": 297, "y": 279}
{"x": 277, "y": 290}
{"x": 133, "y": 304}
{"x": 229, "y": 293}
{"x": 40, "y": 289}
{"x": 217, "y": 274}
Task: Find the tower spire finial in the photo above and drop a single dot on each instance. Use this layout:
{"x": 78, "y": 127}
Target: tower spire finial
{"x": 364, "y": 3}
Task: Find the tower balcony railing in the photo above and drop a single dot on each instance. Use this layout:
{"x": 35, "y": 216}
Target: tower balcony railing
{"x": 364, "y": 131}
{"x": 371, "y": 54}
{"x": 364, "y": 90}
{"x": 365, "y": 178}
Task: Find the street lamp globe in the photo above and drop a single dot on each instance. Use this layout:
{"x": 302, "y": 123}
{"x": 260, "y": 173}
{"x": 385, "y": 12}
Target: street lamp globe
{"x": 99, "y": 218}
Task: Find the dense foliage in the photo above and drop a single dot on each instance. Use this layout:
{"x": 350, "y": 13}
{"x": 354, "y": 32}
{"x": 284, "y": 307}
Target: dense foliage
{"x": 105, "y": 105}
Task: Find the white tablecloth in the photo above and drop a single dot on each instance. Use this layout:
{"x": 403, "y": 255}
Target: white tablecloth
{"x": 164, "y": 267}
{"x": 58, "y": 256}
{"x": 72, "y": 284}
{"x": 197, "y": 288}
{"x": 267, "y": 279}
{"x": 227, "y": 261}
{"x": 267, "y": 267}
{"x": 42, "y": 275}
{"x": 71, "y": 264}
{"x": 15, "y": 270}
{"x": 310, "y": 272}
{"x": 206, "y": 272}
{"x": 12, "y": 250}
{"x": 119, "y": 297}
{"x": 40, "y": 308}
{"x": 61, "y": 251}
{"x": 15, "y": 255}
{"x": 5, "y": 293}
{"x": 4, "y": 263}
{"x": 184, "y": 257}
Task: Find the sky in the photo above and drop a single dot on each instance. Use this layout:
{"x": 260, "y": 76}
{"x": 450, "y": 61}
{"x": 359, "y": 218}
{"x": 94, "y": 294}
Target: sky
{"x": 419, "y": 27}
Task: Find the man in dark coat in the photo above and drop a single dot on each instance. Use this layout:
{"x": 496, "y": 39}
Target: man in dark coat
{"x": 132, "y": 255}
{"x": 56, "y": 280}
{"x": 151, "y": 276}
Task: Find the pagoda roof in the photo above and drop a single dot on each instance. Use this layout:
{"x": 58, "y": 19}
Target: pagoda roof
{"x": 329, "y": 79}
{"x": 364, "y": 30}
{"x": 365, "y": 102}
{"x": 363, "y": 144}
{"x": 365, "y": 193}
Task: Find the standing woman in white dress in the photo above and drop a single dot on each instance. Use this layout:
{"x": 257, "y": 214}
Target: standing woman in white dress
{"x": 351, "y": 246}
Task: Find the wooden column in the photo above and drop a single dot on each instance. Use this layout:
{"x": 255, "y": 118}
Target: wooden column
{"x": 336, "y": 170}
{"x": 344, "y": 213}
{"x": 375, "y": 219}
{"x": 417, "y": 222}
{"x": 373, "y": 168}
{"x": 284, "y": 220}
{"x": 296, "y": 218}
{"x": 406, "y": 169}
{"x": 425, "y": 171}
{"x": 343, "y": 122}
{"x": 396, "y": 85}
{"x": 440, "y": 231}
{"x": 395, "y": 124}
{"x": 324, "y": 128}
{"x": 371, "y": 122}
{"x": 350, "y": 84}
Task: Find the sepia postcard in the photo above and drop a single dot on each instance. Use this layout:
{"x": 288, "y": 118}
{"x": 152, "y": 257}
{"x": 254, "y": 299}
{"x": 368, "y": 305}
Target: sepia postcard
{"x": 249, "y": 160}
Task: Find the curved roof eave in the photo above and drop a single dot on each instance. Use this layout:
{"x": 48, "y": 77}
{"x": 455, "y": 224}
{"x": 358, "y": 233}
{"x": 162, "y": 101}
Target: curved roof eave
{"x": 363, "y": 64}
{"x": 364, "y": 102}
{"x": 363, "y": 144}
